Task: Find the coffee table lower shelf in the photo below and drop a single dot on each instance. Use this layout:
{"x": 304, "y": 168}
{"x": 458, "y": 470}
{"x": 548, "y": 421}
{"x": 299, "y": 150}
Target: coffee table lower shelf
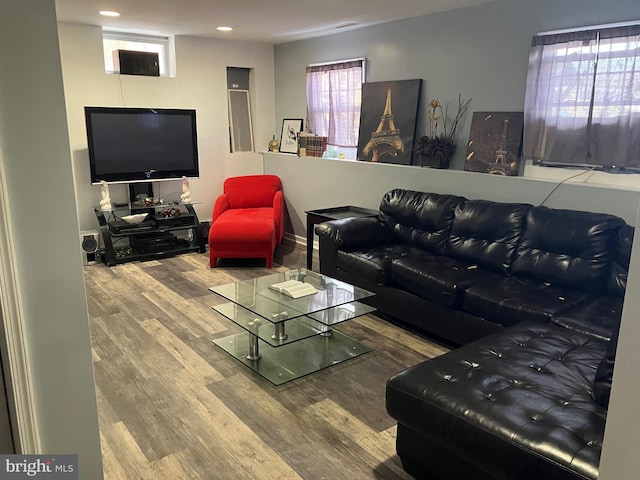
{"x": 283, "y": 364}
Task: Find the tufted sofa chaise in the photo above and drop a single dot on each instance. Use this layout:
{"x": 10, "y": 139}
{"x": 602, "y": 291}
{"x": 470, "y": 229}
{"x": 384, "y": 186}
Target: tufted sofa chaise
{"x": 534, "y": 296}
{"x": 528, "y": 403}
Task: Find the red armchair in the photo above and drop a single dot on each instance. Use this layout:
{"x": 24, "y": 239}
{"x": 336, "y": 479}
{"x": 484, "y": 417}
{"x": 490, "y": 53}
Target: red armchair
{"x": 248, "y": 219}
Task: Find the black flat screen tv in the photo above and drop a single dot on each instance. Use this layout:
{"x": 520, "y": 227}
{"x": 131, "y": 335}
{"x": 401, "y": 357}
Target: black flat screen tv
{"x": 141, "y": 144}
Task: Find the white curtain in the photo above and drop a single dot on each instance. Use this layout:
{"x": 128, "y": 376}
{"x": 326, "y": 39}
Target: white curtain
{"x": 334, "y": 95}
{"x": 582, "y": 105}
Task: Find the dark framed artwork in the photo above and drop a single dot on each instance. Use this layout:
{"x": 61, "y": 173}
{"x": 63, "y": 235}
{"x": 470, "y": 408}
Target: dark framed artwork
{"x": 388, "y": 121}
{"x": 289, "y": 135}
{"x": 495, "y": 143}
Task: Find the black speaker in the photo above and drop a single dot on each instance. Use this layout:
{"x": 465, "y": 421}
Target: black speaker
{"x": 129, "y": 62}
{"x": 89, "y": 241}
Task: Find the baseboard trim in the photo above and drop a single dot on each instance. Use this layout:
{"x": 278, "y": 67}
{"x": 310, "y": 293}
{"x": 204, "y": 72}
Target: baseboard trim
{"x": 297, "y": 239}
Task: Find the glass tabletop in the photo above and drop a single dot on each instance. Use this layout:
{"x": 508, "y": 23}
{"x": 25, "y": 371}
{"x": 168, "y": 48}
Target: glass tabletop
{"x": 275, "y": 307}
{"x": 141, "y": 205}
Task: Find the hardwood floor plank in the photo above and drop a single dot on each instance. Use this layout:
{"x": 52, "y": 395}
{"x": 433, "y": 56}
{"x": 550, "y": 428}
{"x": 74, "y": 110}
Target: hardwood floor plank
{"x": 401, "y": 337}
{"x": 199, "y": 370}
{"x": 186, "y": 318}
{"x": 306, "y": 449}
{"x": 214, "y": 431}
{"x": 173, "y": 278}
{"x": 121, "y": 455}
{"x": 173, "y": 405}
{"x": 129, "y": 344}
{"x": 356, "y": 435}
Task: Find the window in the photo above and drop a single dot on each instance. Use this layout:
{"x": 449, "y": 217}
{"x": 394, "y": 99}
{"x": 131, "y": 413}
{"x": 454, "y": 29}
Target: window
{"x": 114, "y": 41}
{"x": 582, "y": 106}
{"x": 334, "y": 96}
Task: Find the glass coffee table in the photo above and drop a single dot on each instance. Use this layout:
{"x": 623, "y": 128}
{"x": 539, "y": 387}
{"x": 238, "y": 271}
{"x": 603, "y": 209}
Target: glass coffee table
{"x": 286, "y": 338}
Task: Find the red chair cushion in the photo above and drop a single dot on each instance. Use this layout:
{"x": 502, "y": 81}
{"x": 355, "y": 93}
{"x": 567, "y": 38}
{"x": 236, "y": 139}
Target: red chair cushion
{"x": 252, "y": 191}
{"x": 244, "y": 229}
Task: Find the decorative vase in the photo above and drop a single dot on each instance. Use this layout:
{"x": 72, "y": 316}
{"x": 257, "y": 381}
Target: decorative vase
{"x": 274, "y": 145}
{"x": 439, "y": 154}
{"x": 438, "y": 160}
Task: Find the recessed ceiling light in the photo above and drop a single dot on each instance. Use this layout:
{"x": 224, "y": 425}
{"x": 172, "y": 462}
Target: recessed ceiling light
{"x": 108, "y": 13}
{"x": 224, "y": 29}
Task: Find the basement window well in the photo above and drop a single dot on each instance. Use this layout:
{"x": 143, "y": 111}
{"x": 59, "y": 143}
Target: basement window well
{"x": 113, "y": 41}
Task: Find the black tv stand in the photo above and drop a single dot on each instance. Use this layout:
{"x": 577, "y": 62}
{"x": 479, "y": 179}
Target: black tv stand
{"x": 138, "y": 193}
{"x": 160, "y": 235}
{"x": 140, "y": 188}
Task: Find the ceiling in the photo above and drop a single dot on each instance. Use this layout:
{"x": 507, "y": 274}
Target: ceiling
{"x": 275, "y": 21}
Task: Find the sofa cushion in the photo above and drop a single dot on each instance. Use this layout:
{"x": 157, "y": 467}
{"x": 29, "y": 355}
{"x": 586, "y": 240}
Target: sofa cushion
{"x": 438, "y": 278}
{"x": 373, "y": 263}
{"x": 566, "y": 247}
{"x": 355, "y": 232}
{"x": 617, "y": 279}
{"x": 604, "y": 373}
{"x": 511, "y": 300}
{"x": 486, "y": 233}
{"x": 420, "y": 219}
{"x": 599, "y": 318}
{"x": 250, "y": 227}
{"x": 517, "y": 404}
{"x": 251, "y": 191}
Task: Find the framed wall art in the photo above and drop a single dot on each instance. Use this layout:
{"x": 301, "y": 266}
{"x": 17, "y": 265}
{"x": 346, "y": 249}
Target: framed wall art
{"x": 495, "y": 143}
{"x": 289, "y": 135}
{"x": 388, "y": 121}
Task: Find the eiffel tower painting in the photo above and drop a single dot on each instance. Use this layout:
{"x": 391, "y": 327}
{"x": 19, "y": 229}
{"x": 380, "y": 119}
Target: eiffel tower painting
{"x": 495, "y": 142}
{"x": 388, "y": 121}
{"x": 386, "y": 139}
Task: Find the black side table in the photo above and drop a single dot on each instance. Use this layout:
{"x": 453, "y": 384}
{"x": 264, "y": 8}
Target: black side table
{"x": 334, "y": 213}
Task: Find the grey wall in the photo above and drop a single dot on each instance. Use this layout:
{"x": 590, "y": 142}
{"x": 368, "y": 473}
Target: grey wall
{"x": 36, "y": 161}
{"x": 482, "y": 53}
{"x": 311, "y": 183}
{"x": 620, "y": 460}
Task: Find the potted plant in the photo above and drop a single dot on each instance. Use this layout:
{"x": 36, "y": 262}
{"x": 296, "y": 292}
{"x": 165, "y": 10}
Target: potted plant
{"x": 437, "y": 148}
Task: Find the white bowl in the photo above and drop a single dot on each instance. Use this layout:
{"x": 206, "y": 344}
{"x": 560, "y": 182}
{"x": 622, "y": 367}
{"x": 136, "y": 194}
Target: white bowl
{"x": 137, "y": 218}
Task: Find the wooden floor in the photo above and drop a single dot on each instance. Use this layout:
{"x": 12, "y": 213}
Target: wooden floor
{"x": 174, "y": 406}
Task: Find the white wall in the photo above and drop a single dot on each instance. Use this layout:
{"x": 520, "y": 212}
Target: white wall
{"x": 44, "y": 229}
{"x": 200, "y": 83}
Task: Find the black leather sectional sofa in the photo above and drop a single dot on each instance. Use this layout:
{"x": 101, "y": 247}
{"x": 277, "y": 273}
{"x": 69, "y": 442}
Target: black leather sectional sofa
{"x": 459, "y": 269}
{"x": 533, "y": 294}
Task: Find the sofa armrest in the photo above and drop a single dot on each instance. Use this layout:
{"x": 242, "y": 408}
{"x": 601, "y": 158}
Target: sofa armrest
{"x": 221, "y": 205}
{"x": 357, "y": 232}
{"x": 354, "y": 232}
{"x": 278, "y": 215}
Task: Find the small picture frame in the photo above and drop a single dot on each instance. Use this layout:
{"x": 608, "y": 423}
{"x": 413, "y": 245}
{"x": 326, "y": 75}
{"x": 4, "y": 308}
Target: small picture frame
{"x": 289, "y": 135}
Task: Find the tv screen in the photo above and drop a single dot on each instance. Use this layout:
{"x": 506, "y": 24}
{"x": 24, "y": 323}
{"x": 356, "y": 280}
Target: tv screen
{"x": 141, "y": 144}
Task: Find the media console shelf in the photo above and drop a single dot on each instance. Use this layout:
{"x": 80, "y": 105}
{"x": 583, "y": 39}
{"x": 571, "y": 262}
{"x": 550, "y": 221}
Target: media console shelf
{"x": 161, "y": 234}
